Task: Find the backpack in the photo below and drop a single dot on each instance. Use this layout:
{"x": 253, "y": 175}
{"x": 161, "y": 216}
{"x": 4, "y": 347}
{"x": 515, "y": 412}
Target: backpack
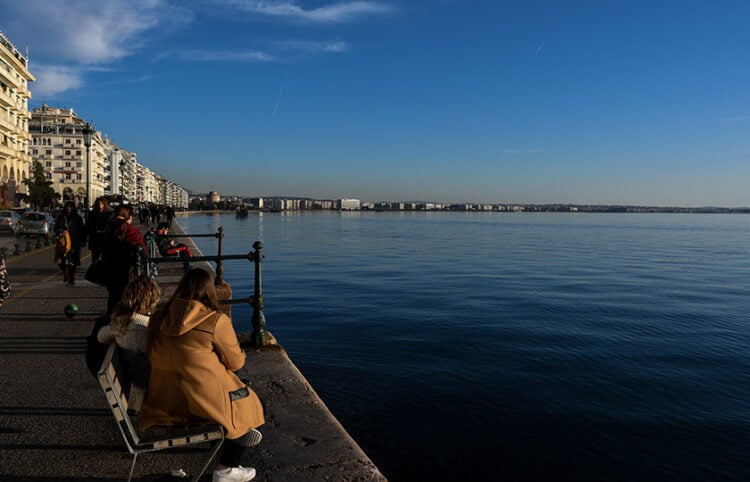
{"x": 64, "y": 244}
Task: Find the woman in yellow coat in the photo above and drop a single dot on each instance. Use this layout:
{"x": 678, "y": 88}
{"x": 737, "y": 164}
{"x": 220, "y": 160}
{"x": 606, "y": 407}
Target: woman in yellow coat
{"x": 194, "y": 352}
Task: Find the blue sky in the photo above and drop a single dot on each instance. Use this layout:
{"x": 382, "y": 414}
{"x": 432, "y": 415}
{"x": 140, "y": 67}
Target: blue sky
{"x": 595, "y": 102}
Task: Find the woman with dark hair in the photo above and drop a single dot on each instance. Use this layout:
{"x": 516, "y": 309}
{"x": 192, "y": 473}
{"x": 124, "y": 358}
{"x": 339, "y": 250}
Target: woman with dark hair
{"x": 96, "y": 226}
{"x": 70, "y": 223}
{"x": 194, "y": 353}
{"x": 122, "y": 241}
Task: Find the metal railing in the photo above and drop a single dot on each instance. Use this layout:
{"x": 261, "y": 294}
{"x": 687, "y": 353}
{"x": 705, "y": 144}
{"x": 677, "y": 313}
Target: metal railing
{"x": 147, "y": 262}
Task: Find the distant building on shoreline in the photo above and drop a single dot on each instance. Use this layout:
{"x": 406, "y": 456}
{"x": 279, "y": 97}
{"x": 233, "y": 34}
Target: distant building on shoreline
{"x": 347, "y": 204}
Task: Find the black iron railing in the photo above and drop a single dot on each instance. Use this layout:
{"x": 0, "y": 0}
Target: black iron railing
{"x": 148, "y": 263}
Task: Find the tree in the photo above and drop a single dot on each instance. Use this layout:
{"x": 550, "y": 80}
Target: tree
{"x": 40, "y": 194}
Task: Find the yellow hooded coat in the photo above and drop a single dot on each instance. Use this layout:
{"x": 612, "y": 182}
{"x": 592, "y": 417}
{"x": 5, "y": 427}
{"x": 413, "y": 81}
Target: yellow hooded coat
{"x": 192, "y": 373}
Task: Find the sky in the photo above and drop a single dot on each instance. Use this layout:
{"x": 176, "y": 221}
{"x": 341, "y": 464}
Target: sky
{"x": 487, "y": 101}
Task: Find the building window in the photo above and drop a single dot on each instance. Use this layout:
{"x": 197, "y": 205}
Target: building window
{"x": 78, "y": 153}
{"x": 48, "y": 152}
{"x": 67, "y": 153}
{"x": 78, "y": 176}
{"x": 48, "y": 163}
{"x": 67, "y": 164}
{"x": 78, "y": 164}
{"x": 67, "y": 176}
{"x": 78, "y": 142}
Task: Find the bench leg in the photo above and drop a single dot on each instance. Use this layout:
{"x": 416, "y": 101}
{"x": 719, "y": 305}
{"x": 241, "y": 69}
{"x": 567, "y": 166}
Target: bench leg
{"x": 210, "y": 458}
{"x": 132, "y": 467}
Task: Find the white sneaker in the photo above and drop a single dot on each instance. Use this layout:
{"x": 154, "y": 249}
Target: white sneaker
{"x": 234, "y": 473}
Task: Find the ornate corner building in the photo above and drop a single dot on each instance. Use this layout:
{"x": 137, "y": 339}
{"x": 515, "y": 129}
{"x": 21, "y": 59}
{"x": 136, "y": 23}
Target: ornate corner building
{"x": 15, "y": 158}
{"x": 58, "y": 144}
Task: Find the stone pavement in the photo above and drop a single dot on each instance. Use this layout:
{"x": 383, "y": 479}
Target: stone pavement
{"x": 54, "y": 421}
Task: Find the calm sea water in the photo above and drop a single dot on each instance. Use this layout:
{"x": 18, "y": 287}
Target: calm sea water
{"x": 487, "y": 346}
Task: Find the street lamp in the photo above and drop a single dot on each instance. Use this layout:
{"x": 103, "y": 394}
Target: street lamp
{"x": 122, "y": 177}
{"x": 87, "y": 132}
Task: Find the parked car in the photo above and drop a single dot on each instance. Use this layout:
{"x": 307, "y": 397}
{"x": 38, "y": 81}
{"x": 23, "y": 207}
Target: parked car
{"x": 35, "y": 224}
{"x": 9, "y": 221}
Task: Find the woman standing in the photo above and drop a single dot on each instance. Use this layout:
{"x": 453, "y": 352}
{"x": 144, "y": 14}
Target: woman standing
{"x": 120, "y": 253}
{"x": 96, "y": 226}
{"x": 194, "y": 353}
{"x": 70, "y": 222}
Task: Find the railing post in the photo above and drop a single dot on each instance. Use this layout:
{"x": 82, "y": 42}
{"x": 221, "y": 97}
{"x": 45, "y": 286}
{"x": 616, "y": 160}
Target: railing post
{"x": 258, "y": 337}
{"x": 219, "y": 263}
{"x": 151, "y": 269}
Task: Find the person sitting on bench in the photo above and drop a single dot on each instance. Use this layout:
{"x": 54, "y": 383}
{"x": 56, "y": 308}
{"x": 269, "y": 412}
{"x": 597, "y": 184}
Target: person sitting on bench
{"x": 194, "y": 354}
{"x": 167, "y": 246}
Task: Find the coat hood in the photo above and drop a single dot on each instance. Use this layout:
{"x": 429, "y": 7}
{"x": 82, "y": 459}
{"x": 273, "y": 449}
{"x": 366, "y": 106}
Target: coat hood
{"x": 184, "y": 315}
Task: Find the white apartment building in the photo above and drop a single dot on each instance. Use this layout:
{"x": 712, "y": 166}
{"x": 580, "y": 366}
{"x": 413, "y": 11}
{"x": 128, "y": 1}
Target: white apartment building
{"x": 347, "y": 204}
{"x": 15, "y": 159}
{"x": 57, "y": 143}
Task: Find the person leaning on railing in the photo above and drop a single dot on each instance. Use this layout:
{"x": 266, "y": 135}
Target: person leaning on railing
{"x": 194, "y": 352}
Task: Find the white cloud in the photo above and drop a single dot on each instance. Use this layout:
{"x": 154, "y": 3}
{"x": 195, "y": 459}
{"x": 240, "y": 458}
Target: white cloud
{"x": 89, "y": 31}
{"x": 312, "y": 46}
{"x": 83, "y": 35}
{"x": 223, "y": 56}
{"x": 742, "y": 118}
{"x": 54, "y": 79}
{"x": 332, "y": 13}
{"x": 281, "y": 51}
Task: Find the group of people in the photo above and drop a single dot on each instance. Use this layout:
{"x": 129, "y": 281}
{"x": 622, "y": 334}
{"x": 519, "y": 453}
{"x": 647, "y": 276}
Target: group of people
{"x": 155, "y": 214}
{"x": 182, "y": 357}
{"x": 111, "y": 236}
{"x": 181, "y": 354}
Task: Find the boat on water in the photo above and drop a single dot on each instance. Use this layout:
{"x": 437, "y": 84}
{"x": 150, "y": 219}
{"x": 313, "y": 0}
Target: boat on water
{"x": 241, "y": 211}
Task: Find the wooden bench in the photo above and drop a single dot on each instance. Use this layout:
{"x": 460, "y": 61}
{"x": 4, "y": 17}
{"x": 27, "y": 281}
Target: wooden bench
{"x": 116, "y": 385}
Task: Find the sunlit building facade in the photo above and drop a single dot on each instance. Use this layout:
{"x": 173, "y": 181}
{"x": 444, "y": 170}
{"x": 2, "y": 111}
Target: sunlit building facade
{"x": 57, "y": 142}
{"x": 15, "y": 158}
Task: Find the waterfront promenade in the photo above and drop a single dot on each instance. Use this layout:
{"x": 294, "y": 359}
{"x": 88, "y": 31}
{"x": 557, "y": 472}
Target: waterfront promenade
{"x": 54, "y": 421}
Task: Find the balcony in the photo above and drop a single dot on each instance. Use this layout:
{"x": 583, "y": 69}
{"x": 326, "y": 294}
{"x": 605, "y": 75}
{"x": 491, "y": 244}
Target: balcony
{"x": 7, "y": 123}
{"x": 67, "y": 170}
{"x": 7, "y": 150}
{"x": 6, "y": 96}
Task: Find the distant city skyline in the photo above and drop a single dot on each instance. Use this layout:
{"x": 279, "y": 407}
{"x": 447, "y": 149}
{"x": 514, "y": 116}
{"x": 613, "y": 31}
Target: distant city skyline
{"x": 597, "y": 103}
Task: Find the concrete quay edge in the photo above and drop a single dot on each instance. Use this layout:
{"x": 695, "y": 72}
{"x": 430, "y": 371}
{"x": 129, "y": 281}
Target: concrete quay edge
{"x": 54, "y": 422}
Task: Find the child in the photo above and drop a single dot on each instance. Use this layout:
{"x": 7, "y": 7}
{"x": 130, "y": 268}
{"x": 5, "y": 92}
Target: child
{"x": 128, "y": 328}
{"x": 167, "y": 247}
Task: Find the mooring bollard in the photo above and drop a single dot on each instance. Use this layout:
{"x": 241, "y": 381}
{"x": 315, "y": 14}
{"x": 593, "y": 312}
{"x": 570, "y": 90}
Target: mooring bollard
{"x": 258, "y": 337}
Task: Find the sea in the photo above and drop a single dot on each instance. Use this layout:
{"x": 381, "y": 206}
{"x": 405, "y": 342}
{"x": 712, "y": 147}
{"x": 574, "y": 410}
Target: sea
{"x": 487, "y": 346}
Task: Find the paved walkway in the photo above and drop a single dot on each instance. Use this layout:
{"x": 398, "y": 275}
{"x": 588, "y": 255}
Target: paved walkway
{"x": 54, "y": 422}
